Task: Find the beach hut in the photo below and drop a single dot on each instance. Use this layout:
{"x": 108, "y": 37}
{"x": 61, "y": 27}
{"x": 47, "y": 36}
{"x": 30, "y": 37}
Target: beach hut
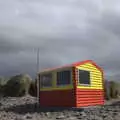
{"x": 79, "y": 84}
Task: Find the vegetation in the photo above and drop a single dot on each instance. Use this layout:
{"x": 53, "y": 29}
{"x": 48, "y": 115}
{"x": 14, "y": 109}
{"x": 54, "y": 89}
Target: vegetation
{"x": 3, "y": 82}
{"x": 33, "y": 89}
{"x": 17, "y": 85}
{"x": 107, "y": 90}
{"x": 21, "y": 85}
{"x": 112, "y": 89}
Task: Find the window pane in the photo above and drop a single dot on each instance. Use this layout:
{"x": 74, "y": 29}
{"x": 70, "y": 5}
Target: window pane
{"x": 46, "y": 80}
{"x": 63, "y": 77}
{"x": 84, "y": 77}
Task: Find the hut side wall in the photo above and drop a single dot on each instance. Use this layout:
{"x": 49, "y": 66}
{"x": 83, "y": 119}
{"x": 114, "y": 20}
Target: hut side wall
{"x": 62, "y": 96}
{"x": 92, "y": 94}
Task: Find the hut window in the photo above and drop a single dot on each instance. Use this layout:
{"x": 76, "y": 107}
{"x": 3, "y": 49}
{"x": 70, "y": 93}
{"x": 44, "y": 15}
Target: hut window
{"x": 64, "y": 77}
{"x": 46, "y": 80}
{"x": 84, "y": 77}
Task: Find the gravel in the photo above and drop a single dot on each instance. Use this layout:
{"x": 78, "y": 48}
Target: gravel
{"x": 24, "y": 108}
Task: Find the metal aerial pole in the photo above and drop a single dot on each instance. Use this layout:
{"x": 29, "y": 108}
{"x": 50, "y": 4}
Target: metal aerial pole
{"x": 37, "y": 78}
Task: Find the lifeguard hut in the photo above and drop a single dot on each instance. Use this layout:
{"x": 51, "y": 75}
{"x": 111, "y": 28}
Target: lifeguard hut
{"x": 80, "y": 84}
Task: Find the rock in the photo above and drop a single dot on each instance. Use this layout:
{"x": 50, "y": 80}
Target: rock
{"x": 104, "y": 115}
{"x": 28, "y": 116}
{"x": 72, "y": 118}
{"x": 77, "y": 114}
{"x": 48, "y": 114}
{"x": 60, "y": 117}
{"x": 19, "y": 118}
{"x": 98, "y": 118}
{"x": 117, "y": 117}
{"x": 11, "y": 106}
{"x": 83, "y": 114}
{"x": 109, "y": 117}
{"x": 0, "y": 104}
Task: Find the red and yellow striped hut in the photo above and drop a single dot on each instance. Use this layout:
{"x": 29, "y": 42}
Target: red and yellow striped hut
{"x": 76, "y": 85}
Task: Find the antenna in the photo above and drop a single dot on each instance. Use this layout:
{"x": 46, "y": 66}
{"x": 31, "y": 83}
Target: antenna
{"x": 38, "y": 87}
{"x": 38, "y": 60}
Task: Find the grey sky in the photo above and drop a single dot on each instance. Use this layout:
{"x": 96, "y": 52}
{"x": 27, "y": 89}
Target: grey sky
{"x": 66, "y": 31}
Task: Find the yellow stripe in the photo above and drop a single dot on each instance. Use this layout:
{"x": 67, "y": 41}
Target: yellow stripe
{"x": 93, "y": 87}
{"x": 93, "y": 82}
{"x": 57, "y": 88}
{"x": 90, "y": 87}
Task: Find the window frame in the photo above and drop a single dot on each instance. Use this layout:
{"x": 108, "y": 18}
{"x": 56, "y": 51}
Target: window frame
{"x": 78, "y": 76}
{"x": 63, "y": 85}
{"x": 41, "y": 86}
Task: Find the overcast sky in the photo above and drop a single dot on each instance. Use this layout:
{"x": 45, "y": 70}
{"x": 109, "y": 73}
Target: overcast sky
{"x": 66, "y": 31}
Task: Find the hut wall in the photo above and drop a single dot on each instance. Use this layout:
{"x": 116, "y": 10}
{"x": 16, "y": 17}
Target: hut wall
{"x": 58, "y": 96}
{"x": 93, "y": 94}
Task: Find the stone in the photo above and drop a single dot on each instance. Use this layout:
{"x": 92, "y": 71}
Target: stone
{"x": 0, "y": 104}
{"x": 60, "y": 117}
{"x": 83, "y": 114}
{"x": 48, "y": 114}
{"x": 28, "y": 116}
{"x": 19, "y": 118}
{"x": 98, "y": 118}
{"x": 72, "y": 118}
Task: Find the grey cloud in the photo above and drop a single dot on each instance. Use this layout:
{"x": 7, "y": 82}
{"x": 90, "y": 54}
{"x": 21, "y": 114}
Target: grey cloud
{"x": 6, "y": 46}
{"x": 113, "y": 25}
{"x": 65, "y": 32}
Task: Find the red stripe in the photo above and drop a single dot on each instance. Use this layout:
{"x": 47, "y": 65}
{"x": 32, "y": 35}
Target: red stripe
{"x": 89, "y": 90}
{"x": 88, "y": 97}
{"x": 92, "y": 104}
{"x": 90, "y": 101}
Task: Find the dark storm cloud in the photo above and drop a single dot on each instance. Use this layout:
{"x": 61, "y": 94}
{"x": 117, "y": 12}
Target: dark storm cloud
{"x": 6, "y": 46}
{"x": 65, "y": 32}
